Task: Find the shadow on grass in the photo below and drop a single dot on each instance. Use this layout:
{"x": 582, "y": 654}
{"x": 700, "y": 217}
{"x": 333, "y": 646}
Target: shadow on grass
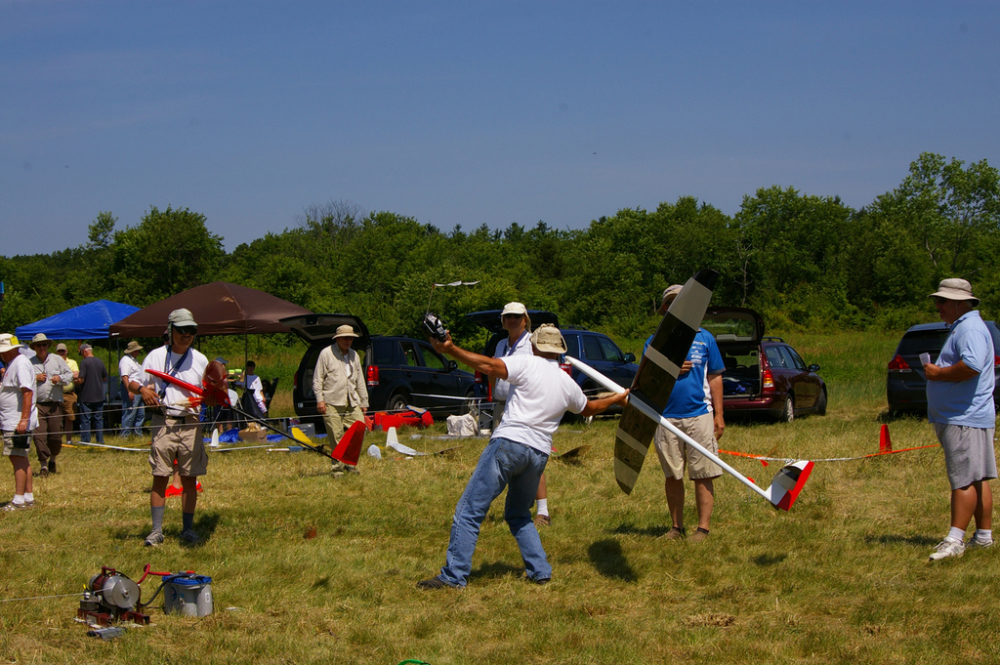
{"x": 205, "y": 524}
{"x": 496, "y": 570}
{"x": 630, "y": 530}
{"x": 888, "y": 416}
{"x": 610, "y": 561}
{"x": 893, "y": 539}
{"x": 765, "y": 560}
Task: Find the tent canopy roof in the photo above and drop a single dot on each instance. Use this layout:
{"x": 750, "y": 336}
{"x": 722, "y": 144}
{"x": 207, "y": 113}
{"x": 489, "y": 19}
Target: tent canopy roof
{"x": 90, "y": 321}
{"x": 220, "y": 308}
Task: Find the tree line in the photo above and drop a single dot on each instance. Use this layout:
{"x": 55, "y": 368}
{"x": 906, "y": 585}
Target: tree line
{"x": 804, "y": 261}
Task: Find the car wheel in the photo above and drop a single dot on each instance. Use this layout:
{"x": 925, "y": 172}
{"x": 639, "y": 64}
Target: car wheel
{"x": 470, "y": 397}
{"x": 788, "y": 413}
{"x": 821, "y": 404}
{"x": 396, "y": 403}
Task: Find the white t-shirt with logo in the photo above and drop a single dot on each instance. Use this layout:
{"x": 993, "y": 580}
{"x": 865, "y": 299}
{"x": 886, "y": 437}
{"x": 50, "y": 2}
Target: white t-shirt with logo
{"x": 522, "y": 346}
{"x": 541, "y": 393}
{"x": 191, "y": 370}
{"x": 19, "y": 375}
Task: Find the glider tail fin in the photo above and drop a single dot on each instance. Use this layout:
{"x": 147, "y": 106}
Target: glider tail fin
{"x": 349, "y": 448}
{"x": 787, "y": 484}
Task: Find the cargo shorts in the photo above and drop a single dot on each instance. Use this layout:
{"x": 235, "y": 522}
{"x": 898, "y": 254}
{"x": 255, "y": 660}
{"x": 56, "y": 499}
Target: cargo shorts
{"x": 178, "y": 439}
{"x": 676, "y": 454}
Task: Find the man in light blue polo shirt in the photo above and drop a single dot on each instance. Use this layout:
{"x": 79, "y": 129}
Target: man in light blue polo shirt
{"x": 960, "y": 406}
{"x": 695, "y": 408}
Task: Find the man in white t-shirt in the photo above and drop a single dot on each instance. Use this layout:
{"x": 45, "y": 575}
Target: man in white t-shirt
{"x": 253, "y": 384}
{"x": 176, "y": 430}
{"x": 516, "y": 455}
{"x": 133, "y": 410}
{"x": 18, "y": 418}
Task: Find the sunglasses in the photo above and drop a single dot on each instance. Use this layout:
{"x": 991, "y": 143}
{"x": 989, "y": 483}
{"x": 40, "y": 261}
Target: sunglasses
{"x": 62, "y": 352}
{"x": 512, "y": 316}
{"x": 187, "y": 330}
{"x": 940, "y": 301}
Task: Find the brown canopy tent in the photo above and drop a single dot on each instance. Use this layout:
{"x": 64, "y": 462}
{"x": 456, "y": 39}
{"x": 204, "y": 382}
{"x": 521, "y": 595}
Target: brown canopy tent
{"x": 220, "y": 308}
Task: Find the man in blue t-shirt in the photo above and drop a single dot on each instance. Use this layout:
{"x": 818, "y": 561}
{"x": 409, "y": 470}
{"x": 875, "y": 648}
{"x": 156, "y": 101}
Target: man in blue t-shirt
{"x": 960, "y": 406}
{"x": 695, "y": 408}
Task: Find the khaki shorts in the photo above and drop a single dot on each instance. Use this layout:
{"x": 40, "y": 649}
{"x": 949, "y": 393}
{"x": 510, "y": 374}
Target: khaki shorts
{"x": 178, "y": 439}
{"x": 675, "y": 454}
{"x": 8, "y": 445}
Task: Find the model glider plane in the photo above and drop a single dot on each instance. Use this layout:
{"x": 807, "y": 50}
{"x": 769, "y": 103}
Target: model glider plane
{"x": 651, "y": 389}
{"x": 347, "y": 451}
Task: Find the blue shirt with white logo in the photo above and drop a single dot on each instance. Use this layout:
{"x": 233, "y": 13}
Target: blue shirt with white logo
{"x": 691, "y": 396}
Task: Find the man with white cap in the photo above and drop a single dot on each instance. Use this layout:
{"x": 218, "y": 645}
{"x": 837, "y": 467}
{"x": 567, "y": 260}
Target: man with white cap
{"x": 516, "y": 455}
{"x": 960, "y": 406}
{"x": 340, "y": 387}
{"x": 18, "y": 418}
{"x": 176, "y": 429}
{"x": 133, "y": 410}
{"x": 51, "y": 374}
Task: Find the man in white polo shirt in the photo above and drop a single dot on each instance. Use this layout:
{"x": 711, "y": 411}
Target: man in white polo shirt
{"x": 541, "y": 393}
{"x": 176, "y": 430}
{"x": 18, "y": 418}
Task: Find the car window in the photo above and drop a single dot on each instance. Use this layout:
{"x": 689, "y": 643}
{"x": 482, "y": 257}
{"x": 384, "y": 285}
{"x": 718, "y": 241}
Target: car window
{"x": 431, "y": 358}
{"x": 775, "y": 359}
{"x": 572, "y": 345}
{"x": 611, "y": 350}
{"x": 591, "y": 348}
{"x": 410, "y": 357}
{"x": 797, "y": 361}
{"x": 382, "y": 352}
{"x": 916, "y": 342}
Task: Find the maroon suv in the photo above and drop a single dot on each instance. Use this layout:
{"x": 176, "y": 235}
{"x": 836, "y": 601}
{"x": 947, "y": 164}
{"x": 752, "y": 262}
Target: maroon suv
{"x": 763, "y": 374}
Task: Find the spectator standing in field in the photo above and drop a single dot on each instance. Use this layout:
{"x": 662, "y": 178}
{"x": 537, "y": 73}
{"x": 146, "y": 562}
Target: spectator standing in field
{"x": 92, "y": 380}
{"x": 960, "y": 406}
{"x": 69, "y": 392}
{"x": 340, "y": 388}
{"x": 133, "y": 410}
{"x": 516, "y": 455}
{"x": 695, "y": 408}
{"x": 51, "y": 374}
{"x": 517, "y": 323}
{"x": 176, "y": 429}
{"x": 252, "y": 383}
{"x": 18, "y": 418}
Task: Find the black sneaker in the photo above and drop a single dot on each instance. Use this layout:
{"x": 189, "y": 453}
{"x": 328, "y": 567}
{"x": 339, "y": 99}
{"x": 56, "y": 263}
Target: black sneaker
{"x": 52, "y": 466}
{"x": 544, "y": 580}
{"x": 433, "y": 583}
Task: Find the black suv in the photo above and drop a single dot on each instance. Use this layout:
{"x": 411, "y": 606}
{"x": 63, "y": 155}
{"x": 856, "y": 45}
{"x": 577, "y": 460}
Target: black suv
{"x": 399, "y": 371}
{"x": 906, "y": 385}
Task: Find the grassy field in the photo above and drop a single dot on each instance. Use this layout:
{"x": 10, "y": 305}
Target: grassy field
{"x": 311, "y": 569}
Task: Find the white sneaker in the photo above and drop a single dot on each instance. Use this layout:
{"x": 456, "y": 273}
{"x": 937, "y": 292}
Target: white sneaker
{"x": 947, "y": 548}
{"x": 977, "y": 544}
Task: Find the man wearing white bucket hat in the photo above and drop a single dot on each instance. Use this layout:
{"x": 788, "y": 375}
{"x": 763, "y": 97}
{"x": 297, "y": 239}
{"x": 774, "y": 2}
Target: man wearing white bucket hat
{"x": 516, "y": 455}
{"x": 51, "y": 374}
{"x": 340, "y": 387}
{"x": 18, "y": 417}
{"x": 960, "y": 406}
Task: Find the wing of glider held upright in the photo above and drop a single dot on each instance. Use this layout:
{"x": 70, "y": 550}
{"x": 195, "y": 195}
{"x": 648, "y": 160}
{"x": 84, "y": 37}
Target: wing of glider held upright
{"x": 657, "y": 374}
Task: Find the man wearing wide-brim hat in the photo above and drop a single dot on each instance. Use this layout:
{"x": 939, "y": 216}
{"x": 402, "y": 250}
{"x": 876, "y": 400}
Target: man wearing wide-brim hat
{"x": 516, "y": 455}
{"x": 51, "y": 375}
{"x": 133, "y": 408}
{"x": 960, "y": 407}
{"x": 18, "y": 417}
{"x": 340, "y": 386}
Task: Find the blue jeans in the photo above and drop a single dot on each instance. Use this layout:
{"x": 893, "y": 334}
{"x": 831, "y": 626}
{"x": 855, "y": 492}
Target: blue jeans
{"x": 134, "y": 415}
{"x": 91, "y": 418}
{"x": 503, "y": 463}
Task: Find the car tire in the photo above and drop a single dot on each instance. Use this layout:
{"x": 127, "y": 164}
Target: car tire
{"x": 821, "y": 404}
{"x": 788, "y": 412}
{"x": 396, "y": 403}
{"x": 470, "y": 396}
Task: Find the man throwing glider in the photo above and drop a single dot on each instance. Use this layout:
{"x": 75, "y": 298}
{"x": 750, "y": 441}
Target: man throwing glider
{"x": 541, "y": 393}
{"x": 960, "y": 406}
{"x": 176, "y": 430}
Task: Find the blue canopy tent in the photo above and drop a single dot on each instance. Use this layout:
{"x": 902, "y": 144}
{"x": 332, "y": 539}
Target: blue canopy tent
{"x": 90, "y": 321}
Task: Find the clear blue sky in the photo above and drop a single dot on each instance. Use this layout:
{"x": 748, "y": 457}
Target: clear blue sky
{"x": 473, "y": 112}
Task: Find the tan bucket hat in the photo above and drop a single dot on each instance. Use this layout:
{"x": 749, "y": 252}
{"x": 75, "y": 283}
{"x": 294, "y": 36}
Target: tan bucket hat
{"x": 548, "y": 339}
{"x": 345, "y": 331}
{"x": 132, "y": 347}
{"x": 38, "y": 339}
{"x": 61, "y": 347}
{"x": 955, "y": 288}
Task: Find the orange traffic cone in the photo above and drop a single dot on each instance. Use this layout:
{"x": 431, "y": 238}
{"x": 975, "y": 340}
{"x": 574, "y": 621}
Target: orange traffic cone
{"x": 884, "y": 444}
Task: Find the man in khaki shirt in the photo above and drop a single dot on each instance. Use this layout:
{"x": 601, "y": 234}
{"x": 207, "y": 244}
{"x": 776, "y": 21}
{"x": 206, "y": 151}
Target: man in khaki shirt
{"x": 339, "y": 385}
